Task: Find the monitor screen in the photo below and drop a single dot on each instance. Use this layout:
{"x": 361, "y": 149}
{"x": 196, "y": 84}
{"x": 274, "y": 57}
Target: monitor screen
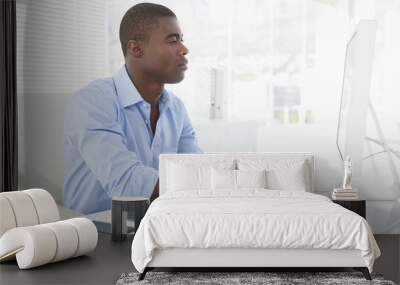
{"x": 357, "y": 74}
{"x": 347, "y": 86}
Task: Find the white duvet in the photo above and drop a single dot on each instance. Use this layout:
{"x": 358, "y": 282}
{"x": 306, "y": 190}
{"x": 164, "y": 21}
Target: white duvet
{"x": 250, "y": 218}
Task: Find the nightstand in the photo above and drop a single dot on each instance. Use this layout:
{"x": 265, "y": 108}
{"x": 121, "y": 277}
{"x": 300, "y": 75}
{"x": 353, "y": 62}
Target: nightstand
{"x": 357, "y": 206}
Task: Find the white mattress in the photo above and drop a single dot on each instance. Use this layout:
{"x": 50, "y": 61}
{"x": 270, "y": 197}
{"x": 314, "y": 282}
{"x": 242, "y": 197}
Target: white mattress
{"x": 251, "y": 219}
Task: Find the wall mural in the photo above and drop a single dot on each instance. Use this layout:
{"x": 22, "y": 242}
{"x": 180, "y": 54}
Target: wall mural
{"x": 263, "y": 76}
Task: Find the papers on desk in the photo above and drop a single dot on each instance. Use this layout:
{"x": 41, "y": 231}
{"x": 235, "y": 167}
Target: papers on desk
{"x": 102, "y": 220}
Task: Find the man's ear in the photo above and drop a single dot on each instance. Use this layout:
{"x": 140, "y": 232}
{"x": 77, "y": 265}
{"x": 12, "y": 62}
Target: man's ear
{"x": 135, "y": 48}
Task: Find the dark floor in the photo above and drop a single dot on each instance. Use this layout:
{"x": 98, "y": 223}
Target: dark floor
{"x": 102, "y": 266}
{"x": 110, "y": 260}
{"x": 389, "y": 262}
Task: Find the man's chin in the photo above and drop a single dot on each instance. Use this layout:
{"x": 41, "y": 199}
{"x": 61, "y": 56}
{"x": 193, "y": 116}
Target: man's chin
{"x": 176, "y": 79}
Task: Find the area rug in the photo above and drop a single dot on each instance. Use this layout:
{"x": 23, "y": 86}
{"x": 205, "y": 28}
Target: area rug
{"x": 269, "y": 278}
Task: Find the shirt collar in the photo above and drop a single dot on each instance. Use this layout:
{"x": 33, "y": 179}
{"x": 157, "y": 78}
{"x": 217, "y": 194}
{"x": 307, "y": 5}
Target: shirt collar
{"x": 127, "y": 92}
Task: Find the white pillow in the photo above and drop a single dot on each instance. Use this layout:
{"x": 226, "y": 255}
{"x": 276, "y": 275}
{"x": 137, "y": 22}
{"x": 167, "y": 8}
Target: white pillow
{"x": 188, "y": 177}
{"x": 282, "y": 174}
{"x": 287, "y": 179}
{"x": 251, "y": 178}
{"x": 223, "y": 179}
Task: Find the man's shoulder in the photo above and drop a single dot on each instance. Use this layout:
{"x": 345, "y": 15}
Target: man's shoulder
{"x": 97, "y": 95}
{"x": 97, "y": 92}
{"x": 98, "y": 88}
{"x": 175, "y": 101}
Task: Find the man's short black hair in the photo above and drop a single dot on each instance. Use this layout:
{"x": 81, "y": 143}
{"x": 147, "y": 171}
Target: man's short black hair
{"x": 139, "y": 20}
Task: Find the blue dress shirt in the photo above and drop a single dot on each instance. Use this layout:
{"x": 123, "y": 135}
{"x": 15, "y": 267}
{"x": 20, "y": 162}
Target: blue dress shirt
{"x": 109, "y": 146}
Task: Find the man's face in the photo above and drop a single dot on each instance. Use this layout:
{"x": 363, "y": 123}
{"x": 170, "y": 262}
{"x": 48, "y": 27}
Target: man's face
{"x": 164, "y": 53}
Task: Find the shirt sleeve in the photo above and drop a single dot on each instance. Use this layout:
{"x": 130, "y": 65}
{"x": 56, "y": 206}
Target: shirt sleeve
{"x": 99, "y": 138}
{"x": 188, "y": 141}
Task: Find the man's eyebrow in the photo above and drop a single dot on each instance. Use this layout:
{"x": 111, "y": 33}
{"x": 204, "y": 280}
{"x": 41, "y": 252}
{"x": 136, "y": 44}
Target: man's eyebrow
{"x": 178, "y": 36}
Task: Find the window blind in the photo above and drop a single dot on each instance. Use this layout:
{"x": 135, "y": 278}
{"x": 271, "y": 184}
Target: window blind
{"x": 61, "y": 45}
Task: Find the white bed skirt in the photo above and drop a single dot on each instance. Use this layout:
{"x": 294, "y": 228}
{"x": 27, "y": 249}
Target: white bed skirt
{"x": 193, "y": 257}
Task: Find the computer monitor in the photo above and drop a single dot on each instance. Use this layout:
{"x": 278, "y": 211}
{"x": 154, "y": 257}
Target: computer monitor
{"x": 355, "y": 94}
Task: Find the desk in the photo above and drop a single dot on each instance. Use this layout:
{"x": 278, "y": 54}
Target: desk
{"x": 104, "y": 265}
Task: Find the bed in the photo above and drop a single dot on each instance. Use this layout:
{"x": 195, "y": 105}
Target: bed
{"x": 246, "y": 210}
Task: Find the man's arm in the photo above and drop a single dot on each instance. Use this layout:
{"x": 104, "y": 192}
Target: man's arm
{"x": 188, "y": 141}
{"x": 93, "y": 127}
{"x": 156, "y": 193}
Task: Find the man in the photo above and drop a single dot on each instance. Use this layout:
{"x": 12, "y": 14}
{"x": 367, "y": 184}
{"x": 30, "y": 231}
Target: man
{"x": 115, "y": 128}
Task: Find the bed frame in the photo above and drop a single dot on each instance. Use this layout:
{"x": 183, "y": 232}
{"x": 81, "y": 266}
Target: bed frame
{"x": 262, "y": 259}
{"x": 248, "y": 259}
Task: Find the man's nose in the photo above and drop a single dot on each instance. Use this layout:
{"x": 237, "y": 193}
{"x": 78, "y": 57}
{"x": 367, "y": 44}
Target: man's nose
{"x": 183, "y": 50}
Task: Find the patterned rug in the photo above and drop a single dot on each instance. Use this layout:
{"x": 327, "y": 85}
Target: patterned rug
{"x": 242, "y": 278}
